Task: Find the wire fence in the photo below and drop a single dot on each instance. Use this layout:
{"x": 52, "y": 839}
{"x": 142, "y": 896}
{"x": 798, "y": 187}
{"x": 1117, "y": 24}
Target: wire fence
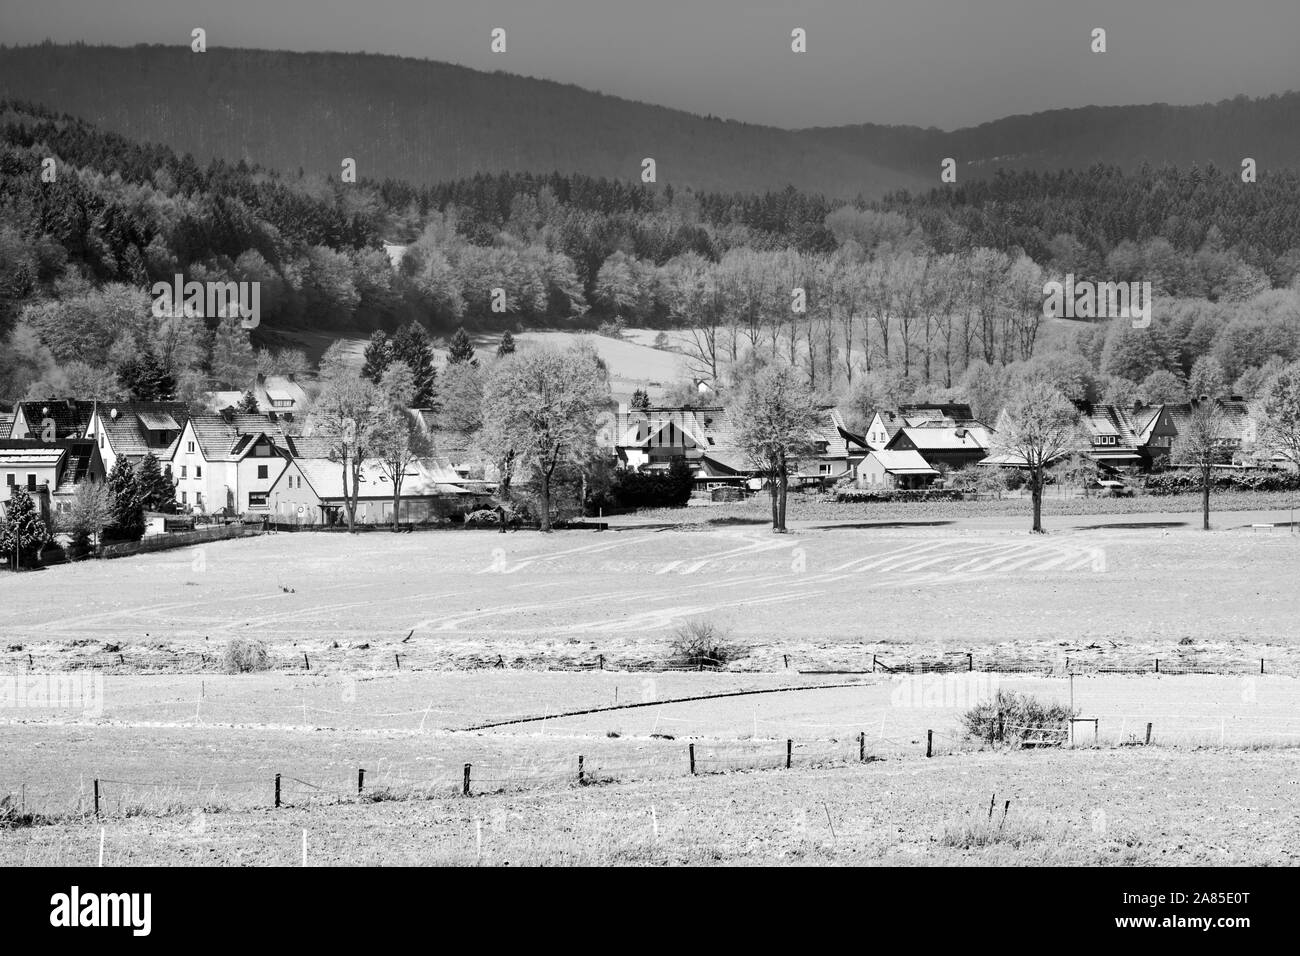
{"x": 125, "y": 796}
{"x": 395, "y": 657}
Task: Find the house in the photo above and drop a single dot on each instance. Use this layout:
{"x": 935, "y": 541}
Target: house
{"x": 890, "y": 469}
{"x": 50, "y": 420}
{"x": 833, "y": 455}
{"x": 1155, "y": 430}
{"x": 50, "y": 471}
{"x": 944, "y": 446}
{"x": 943, "y": 413}
{"x": 280, "y": 394}
{"x": 229, "y": 461}
{"x": 6, "y": 423}
{"x": 649, "y": 439}
{"x": 1110, "y": 437}
{"x": 133, "y": 430}
{"x": 884, "y": 426}
{"x": 1242, "y": 432}
{"x": 311, "y": 491}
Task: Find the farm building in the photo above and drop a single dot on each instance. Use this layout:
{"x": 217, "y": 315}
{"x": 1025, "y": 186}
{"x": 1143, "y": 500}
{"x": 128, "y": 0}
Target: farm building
{"x": 889, "y": 469}
{"x": 311, "y": 491}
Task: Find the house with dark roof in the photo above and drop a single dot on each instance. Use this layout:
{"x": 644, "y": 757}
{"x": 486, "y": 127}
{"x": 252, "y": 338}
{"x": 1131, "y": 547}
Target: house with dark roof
{"x": 833, "y": 455}
{"x": 650, "y": 439}
{"x": 132, "y": 430}
{"x": 280, "y": 394}
{"x": 50, "y": 419}
{"x": 944, "y": 446}
{"x": 1241, "y": 429}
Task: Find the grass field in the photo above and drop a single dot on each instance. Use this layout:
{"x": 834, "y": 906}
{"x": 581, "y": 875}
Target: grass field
{"x": 398, "y": 630}
{"x": 820, "y": 597}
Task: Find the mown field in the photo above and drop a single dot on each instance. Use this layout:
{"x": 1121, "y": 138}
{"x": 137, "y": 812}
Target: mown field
{"x": 823, "y": 596}
{"x": 1139, "y": 806}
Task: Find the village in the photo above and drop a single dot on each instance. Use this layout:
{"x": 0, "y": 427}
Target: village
{"x": 276, "y": 467}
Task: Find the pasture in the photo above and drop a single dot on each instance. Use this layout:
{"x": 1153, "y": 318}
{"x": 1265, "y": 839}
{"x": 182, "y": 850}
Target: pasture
{"x": 410, "y": 644}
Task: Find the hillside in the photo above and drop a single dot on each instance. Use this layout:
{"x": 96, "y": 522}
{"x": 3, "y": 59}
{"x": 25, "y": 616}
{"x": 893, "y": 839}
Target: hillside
{"x": 427, "y": 122}
{"x": 415, "y": 120}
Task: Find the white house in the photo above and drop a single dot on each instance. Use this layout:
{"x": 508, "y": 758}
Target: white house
{"x": 228, "y": 461}
{"x": 311, "y": 491}
{"x": 132, "y": 430}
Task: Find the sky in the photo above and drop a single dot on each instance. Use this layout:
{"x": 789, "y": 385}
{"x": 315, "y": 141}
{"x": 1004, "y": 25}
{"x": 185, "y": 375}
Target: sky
{"x": 944, "y": 63}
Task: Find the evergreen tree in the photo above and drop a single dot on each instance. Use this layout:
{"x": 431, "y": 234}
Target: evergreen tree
{"x": 507, "y": 346}
{"x": 248, "y": 404}
{"x": 411, "y": 345}
{"x": 461, "y": 349}
{"x": 22, "y": 532}
{"x": 127, "y": 521}
{"x": 157, "y": 489}
{"x": 640, "y": 399}
{"x": 379, "y": 355}
{"x": 147, "y": 378}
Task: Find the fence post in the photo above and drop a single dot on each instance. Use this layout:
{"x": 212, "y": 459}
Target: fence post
{"x": 789, "y": 752}
{"x": 579, "y": 769}
{"x": 862, "y": 746}
{"x": 1157, "y": 665}
{"x": 465, "y": 790}
{"x": 691, "y": 749}
{"x": 873, "y": 663}
{"x": 361, "y": 781}
{"x": 306, "y": 664}
{"x": 786, "y": 659}
{"x": 277, "y": 790}
{"x": 602, "y": 661}
{"x": 1148, "y": 732}
{"x": 929, "y": 743}
{"x": 96, "y": 797}
{"x": 30, "y": 662}
{"x": 398, "y": 658}
{"x": 970, "y": 662}
{"x": 1261, "y": 665}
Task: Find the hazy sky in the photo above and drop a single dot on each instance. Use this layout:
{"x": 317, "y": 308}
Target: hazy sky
{"x": 945, "y": 63}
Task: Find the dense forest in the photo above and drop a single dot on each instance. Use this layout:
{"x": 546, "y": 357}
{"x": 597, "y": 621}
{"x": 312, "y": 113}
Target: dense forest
{"x": 910, "y": 293}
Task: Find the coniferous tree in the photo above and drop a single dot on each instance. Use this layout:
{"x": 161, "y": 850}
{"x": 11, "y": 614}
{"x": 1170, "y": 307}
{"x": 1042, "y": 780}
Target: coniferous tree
{"x": 461, "y": 349}
{"x": 248, "y": 404}
{"x": 507, "y": 346}
{"x": 127, "y": 521}
{"x": 378, "y": 356}
{"x": 157, "y": 488}
{"x": 411, "y": 345}
{"x": 22, "y": 532}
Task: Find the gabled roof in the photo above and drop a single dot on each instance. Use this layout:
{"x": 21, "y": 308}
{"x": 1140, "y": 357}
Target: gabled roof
{"x": 424, "y": 478}
{"x": 17, "y": 453}
{"x": 124, "y": 426}
{"x": 1101, "y": 419}
{"x": 1236, "y": 413}
{"x": 71, "y": 417}
{"x": 6, "y": 423}
{"x": 956, "y": 412}
{"x": 947, "y": 438}
{"x": 902, "y": 462}
{"x": 228, "y": 437}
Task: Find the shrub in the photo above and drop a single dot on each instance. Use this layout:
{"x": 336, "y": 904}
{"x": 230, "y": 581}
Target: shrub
{"x": 635, "y": 489}
{"x": 1012, "y": 717}
{"x": 897, "y": 494}
{"x": 701, "y": 643}
{"x": 243, "y": 656}
{"x": 483, "y": 518}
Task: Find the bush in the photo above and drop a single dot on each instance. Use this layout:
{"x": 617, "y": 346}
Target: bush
{"x": 1012, "y": 717}
{"x": 243, "y": 656}
{"x": 897, "y": 494}
{"x": 635, "y": 489}
{"x": 483, "y": 518}
{"x": 701, "y": 643}
{"x": 1188, "y": 482}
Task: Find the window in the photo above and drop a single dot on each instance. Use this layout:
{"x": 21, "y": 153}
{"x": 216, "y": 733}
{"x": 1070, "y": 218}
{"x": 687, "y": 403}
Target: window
{"x": 263, "y": 471}
{"x": 198, "y": 471}
{"x": 183, "y": 472}
{"x": 189, "y": 447}
{"x": 9, "y": 479}
{"x": 198, "y": 498}
{"x": 184, "y": 498}
{"x": 282, "y": 403}
{"x": 257, "y": 499}
{"x": 31, "y": 482}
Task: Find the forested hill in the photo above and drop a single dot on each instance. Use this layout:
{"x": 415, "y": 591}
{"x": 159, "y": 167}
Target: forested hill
{"x": 415, "y": 120}
{"x": 427, "y": 122}
{"x": 1266, "y": 130}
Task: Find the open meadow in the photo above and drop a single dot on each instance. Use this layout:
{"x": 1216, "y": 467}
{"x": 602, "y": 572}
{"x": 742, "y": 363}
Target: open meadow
{"x": 413, "y": 656}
